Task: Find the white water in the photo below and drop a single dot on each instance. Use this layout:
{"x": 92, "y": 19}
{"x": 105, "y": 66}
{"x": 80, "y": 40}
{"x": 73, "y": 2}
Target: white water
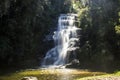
{"x": 65, "y": 39}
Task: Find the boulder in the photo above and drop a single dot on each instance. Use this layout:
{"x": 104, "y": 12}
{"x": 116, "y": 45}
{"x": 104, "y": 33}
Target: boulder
{"x": 29, "y": 78}
{"x": 73, "y": 64}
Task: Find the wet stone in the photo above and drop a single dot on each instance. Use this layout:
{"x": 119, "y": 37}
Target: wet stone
{"x": 29, "y": 78}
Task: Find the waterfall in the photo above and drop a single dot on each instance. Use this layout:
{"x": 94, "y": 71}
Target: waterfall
{"x": 66, "y": 41}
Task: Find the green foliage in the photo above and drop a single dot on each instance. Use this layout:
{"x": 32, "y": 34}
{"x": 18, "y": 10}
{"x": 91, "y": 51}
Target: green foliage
{"x": 117, "y": 29}
{"x": 119, "y": 14}
{"x": 100, "y": 37}
{"x": 23, "y": 26}
{"x": 76, "y": 5}
{"x": 117, "y": 73}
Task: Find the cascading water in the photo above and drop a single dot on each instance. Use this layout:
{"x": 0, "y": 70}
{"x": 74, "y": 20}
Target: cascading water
{"x": 65, "y": 39}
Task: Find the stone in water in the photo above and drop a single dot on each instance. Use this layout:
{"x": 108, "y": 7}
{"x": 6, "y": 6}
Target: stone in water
{"x": 29, "y": 78}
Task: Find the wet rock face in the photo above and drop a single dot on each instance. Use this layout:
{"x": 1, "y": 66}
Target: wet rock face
{"x": 72, "y": 54}
{"x": 29, "y": 78}
{"x": 73, "y": 64}
{"x": 66, "y": 40}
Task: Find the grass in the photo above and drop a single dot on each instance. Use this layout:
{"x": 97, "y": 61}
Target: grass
{"x": 116, "y": 74}
{"x": 55, "y": 74}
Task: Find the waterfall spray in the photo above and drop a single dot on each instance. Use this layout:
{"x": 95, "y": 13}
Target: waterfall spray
{"x": 65, "y": 38}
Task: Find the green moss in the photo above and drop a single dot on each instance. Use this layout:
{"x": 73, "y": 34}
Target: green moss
{"x": 117, "y": 29}
{"x": 117, "y": 73}
{"x": 100, "y": 76}
{"x": 51, "y": 74}
{"x": 54, "y": 74}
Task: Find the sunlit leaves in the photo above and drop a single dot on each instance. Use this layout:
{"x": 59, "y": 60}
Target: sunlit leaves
{"x": 117, "y": 29}
{"x": 119, "y": 14}
{"x": 119, "y": 17}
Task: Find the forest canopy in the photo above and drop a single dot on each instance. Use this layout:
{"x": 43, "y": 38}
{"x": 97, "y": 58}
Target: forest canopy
{"x": 24, "y": 25}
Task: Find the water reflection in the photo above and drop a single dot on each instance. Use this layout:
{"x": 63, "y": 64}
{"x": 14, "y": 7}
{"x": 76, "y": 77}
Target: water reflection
{"x": 60, "y": 74}
{"x": 65, "y": 74}
{"x": 50, "y": 74}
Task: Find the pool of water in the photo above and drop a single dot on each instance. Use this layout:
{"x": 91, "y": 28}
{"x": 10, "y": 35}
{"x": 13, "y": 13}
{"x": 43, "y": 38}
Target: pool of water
{"x": 50, "y": 74}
